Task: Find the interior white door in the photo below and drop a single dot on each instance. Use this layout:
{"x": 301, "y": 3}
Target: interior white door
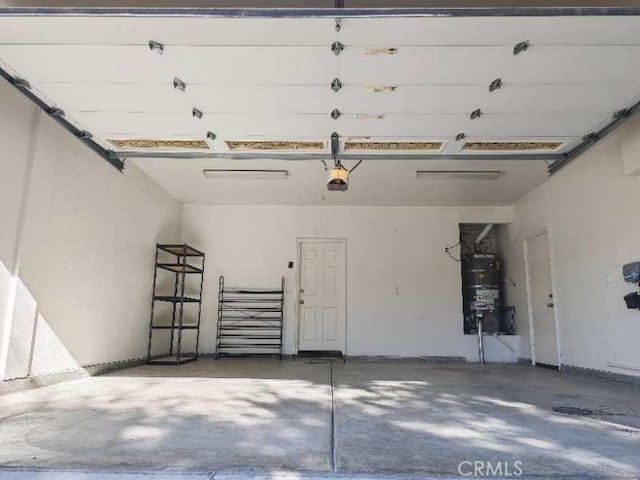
{"x": 545, "y": 341}
{"x": 322, "y": 296}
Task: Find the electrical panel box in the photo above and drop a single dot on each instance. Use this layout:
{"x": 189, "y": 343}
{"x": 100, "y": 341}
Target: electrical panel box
{"x": 631, "y": 272}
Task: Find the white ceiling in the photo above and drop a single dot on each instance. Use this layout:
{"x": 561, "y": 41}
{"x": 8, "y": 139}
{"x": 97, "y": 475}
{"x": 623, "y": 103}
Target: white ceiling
{"x": 378, "y": 182}
{"x": 269, "y": 79}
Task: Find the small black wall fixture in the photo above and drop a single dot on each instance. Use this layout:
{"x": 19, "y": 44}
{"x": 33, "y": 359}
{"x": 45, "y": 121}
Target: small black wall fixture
{"x": 631, "y": 274}
{"x": 24, "y": 87}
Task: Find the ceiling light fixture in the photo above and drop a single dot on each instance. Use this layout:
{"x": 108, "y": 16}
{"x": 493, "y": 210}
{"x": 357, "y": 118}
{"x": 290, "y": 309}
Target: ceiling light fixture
{"x": 458, "y": 174}
{"x": 242, "y": 174}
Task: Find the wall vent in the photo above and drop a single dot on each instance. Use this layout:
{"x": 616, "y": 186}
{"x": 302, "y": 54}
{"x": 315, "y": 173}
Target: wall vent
{"x": 236, "y": 145}
{"x": 393, "y": 146}
{"x": 458, "y": 174}
{"x": 159, "y": 144}
{"x": 510, "y": 146}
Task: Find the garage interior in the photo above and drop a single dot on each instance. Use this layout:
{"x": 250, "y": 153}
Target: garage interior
{"x": 314, "y": 240}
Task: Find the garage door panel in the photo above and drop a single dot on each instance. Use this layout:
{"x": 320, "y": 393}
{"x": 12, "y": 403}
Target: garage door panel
{"x": 115, "y": 97}
{"x": 427, "y": 65}
{"x": 576, "y": 65}
{"x": 464, "y": 99}
{"x": 493, "y": 126}
{"x": 321, "y": 126}
{"x": 208, "y": 98}
{"x": 351, "y": 99}
{"x": 225, "y": 126}
{"x": 318, "y": 66}
{"x": 320, "y": 31}
{"x": 256, "y": 65}
{"x": 85, "y": 63}
{"x": 169, "y": 31}
{"x": 480, "y": 65}
{"x": 270, "y": 78}
{"x": 394, "y": 32}
{"x": 219, "y": 65}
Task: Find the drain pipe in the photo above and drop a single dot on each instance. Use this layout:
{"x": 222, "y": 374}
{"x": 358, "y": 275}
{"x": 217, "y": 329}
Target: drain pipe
{"x": 480, "y": 341}
{"x": 484, "y": 233}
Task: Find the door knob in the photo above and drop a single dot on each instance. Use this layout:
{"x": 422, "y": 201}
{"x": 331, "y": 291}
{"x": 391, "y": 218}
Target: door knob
{"x": 549, "y": 305}
{"x": 301, "y": 302}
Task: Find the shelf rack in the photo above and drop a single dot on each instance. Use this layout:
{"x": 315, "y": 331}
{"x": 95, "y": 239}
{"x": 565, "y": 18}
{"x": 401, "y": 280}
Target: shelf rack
{"x": 250, "y": 321}
{"x": 182, "y": 264}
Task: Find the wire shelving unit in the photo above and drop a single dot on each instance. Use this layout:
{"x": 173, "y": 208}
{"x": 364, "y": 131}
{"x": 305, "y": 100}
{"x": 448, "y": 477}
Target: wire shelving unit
{"x": 185, "y": 310}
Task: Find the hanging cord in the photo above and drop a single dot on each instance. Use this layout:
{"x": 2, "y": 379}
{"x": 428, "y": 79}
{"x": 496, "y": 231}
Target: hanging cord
{"x": 448, "y": 251}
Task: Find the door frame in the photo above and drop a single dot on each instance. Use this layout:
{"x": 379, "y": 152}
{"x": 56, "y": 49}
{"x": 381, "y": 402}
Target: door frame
{"x": 554, "y": 290}
{"x": 299, "y": 242}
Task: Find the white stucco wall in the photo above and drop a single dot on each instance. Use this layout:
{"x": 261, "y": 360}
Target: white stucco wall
{"x": 16, "y": 124}
{"x": 591, "y": 210}
{"x": 403, "y": 291}
{"x": 86, "y": 255}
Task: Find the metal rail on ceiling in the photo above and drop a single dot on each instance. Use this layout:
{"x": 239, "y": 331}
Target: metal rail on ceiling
{"x": 58, "y": 115}
{"x": 590, "y": 140}
{"x": 326, "y": 156}
{"x": 321, "y": 12}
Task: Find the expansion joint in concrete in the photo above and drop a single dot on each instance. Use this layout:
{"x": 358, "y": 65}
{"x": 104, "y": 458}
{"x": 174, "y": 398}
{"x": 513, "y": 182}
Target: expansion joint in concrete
{"x": 334, "y": 464}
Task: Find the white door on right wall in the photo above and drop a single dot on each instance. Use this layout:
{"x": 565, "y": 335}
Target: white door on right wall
{"x": 545, "y": 340}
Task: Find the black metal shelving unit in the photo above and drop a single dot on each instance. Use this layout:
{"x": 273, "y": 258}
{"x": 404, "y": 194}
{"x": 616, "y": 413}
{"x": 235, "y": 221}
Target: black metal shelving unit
{"x": 182, "y": 262}
{"x": 250, "y": 321}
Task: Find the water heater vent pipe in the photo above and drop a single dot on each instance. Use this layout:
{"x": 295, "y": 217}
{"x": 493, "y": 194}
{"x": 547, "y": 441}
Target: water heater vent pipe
{"x": 484, "y": 233}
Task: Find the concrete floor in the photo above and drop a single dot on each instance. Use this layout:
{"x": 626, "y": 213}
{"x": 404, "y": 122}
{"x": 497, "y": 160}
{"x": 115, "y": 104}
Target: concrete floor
{"x": 236, "y": 417}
